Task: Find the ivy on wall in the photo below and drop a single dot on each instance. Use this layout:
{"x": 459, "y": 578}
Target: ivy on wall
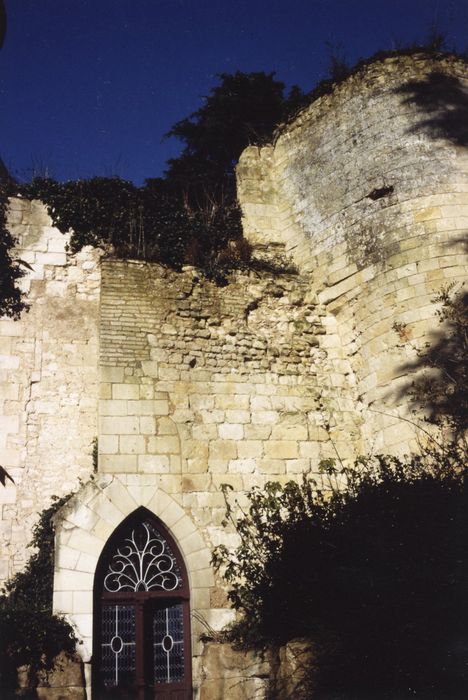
{"x": 152, "y": 222}
{"x": 30, "y": 634}
{"x": 191, "y": 216}
{"x": 11, "y": 269}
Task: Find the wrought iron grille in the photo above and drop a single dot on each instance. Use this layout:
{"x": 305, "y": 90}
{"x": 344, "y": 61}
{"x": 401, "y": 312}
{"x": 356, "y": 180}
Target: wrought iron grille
{"x": 118, "y": 645}
{"x": 143, "y": 562}
{"x": 168, "y": 644}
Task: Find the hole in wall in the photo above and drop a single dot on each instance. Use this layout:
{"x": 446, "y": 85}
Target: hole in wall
{"x": 380, "y": 192}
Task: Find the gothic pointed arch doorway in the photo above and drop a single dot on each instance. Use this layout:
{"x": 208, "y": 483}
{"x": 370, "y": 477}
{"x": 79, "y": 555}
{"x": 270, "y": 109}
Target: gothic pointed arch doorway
{"x": 141, "y": 615}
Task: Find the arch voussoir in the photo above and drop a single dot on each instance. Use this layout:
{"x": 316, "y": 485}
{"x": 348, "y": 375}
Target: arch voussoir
{"x": 85, "y": 524}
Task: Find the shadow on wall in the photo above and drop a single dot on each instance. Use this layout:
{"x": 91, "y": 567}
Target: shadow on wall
{"x": 444, "y": 99}
{"x": 440, "y": 385}
{"x": 462, "y": 242}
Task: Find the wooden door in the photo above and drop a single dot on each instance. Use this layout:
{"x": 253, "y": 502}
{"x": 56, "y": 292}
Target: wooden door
{"x": 142, "y": 616}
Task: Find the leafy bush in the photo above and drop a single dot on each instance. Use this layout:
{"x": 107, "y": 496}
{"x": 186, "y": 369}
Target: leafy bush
{"x": 192, "y": 215}
{"x": 29, "y": 632}
{"x": 369, "y": 562}
{"x": 30, "y": 637}
{"x": 152, "y": 222}
{"x": 11, "y": 301}
{"x": 371, "y": 568}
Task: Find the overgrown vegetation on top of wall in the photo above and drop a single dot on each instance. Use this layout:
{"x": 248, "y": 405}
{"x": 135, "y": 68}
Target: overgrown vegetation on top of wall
{"x": 152, "y": 222}
{"x": 434, "y": 46}
{"x": 30, "y": 634}
{"x": 191, "y": 216}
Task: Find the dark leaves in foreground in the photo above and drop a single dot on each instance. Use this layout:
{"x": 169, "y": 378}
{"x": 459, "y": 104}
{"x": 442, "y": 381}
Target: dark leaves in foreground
{"x": 4, "y": 476}
{"x": 375, "y": 575}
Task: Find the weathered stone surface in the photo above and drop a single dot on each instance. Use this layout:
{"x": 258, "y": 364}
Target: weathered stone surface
{"x": 66, "y": 693}
{"x": 188, "y": 385}
{"x": 294, "y": 673}
{"x": 234, "y": 674}
{"x": 64, "y": 682}
{"x": 48, "y": 396}
{"x": 368, "y": 190}
{"x": 285, "y": 673}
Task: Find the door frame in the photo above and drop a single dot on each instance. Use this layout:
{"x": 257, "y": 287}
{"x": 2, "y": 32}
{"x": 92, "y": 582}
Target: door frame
{"x": 144, "y": 602}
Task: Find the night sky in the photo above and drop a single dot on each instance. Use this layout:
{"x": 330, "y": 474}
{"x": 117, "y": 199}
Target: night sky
{"x": 90, "y": 87}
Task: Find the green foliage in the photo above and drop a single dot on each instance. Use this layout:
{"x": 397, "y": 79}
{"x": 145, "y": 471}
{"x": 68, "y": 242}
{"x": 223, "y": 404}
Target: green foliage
{"x": 371, "y": 568}
{"x": 244, "y": 109}
{"x": 30, "y": 637}
{"x": 29, "y": 633}
{"x": 369, "y": 561}
{"x": 338, "y": 67}
{"x": 192, "y": 215}
{"x": 11, "y": 301}
{"x": 34, "y": 585}
{"x": 100, "y": 211}
{"x": 436, "y": 39}
{"x": 152, "y": 222}
{"x": 441, "y": 384}
{"x": 339, "y": 71}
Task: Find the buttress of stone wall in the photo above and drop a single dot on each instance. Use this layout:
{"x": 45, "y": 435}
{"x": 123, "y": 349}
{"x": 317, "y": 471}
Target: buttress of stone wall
{"x": 368, "y": 191}
{"x": 48, "y": 378}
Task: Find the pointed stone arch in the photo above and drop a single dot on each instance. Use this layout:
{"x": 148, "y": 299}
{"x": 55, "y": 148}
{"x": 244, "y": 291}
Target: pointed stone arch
{"x": 83, "y": 527}
{"x": 141, "y": 637}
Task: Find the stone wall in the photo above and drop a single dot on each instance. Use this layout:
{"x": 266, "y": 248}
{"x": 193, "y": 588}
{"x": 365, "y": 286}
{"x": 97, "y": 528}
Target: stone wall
{"x": 187, "y": 385}
{"x": 286, "y": 672}
{"x": 64, "y": 681}
{"x": 48, "y": 378}
{"x": 202, "y": 384}
{"x": 225, "y": 672}
{"x": 199, "y": 385}
{"x": 368, "y": 191}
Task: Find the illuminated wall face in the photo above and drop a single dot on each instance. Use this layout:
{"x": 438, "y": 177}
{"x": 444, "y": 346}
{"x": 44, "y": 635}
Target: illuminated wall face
{"x": 359, "y": 212}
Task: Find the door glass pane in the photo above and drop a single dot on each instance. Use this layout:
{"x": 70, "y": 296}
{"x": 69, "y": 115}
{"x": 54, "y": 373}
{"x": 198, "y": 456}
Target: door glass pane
{"x": 118, "y": 645}
{"x": 168, "y": 644}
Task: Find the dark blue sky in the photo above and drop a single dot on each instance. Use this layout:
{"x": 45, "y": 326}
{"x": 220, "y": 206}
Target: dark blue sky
{"x": 90, "y": 87}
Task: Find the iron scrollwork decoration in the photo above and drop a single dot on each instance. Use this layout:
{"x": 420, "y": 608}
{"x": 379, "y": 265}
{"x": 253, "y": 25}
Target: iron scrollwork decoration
{"x": 144, "y": 562}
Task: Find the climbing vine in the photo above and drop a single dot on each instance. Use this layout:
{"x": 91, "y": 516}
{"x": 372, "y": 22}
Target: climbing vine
{"x": 30, "y": 634}
{"x": 11, "y": 269}
{"x": 152, "y": 222}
